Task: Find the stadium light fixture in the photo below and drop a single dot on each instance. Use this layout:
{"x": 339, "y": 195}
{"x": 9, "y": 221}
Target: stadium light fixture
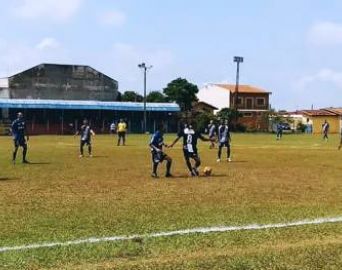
{"x": 145, "y": 68}
{"x": 237, "y": 60}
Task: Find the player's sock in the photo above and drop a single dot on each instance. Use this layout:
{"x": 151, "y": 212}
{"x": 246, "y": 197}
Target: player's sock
{"x": 168, "y": 168}
{"x": 155, "y": 167}
{"x": 24, "y": 155}
{"x": 14, "y": 156}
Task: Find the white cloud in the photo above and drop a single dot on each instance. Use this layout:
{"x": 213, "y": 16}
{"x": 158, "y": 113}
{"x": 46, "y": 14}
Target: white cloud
{"x": 113, "y": 18}
{"x": 320, "y": 89}
{"x": 55, "y": 10}
{"x": 48, "y": 44}
{"x": 18, "y": 56}
{"x": 327, "y": 76}
{"x": 325, "y": 34}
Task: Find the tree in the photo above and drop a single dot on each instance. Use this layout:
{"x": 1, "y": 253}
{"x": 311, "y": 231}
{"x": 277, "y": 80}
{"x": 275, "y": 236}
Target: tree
{"x": 229, "y": 114}
{"x": 232, "y": 115}
{"x": 182, "y": 92}
{"x": 131, "y": 96}
{"x": 156, "y": 96}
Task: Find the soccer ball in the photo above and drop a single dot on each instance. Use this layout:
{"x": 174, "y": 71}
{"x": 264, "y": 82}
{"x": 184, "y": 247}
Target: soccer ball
{"x": 207, "y": 171}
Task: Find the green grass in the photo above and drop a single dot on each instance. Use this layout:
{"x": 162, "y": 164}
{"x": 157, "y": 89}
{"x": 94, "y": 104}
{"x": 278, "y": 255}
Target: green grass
{"x": 61, "y": 197}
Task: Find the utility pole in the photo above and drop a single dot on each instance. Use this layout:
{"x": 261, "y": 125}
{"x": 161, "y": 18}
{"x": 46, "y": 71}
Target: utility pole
{"x": 145, "y": 69}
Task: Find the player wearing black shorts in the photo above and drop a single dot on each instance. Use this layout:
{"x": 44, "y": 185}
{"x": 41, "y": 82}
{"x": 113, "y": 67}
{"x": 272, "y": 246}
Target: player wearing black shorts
{"x": 190, "y": 137}
{"x": 212, "y": 134}
{"x": 158, "y": 156}
{"x": 224, "y": 139}
{"x": 86, "y": 132}
{"x": 19, "y": 132}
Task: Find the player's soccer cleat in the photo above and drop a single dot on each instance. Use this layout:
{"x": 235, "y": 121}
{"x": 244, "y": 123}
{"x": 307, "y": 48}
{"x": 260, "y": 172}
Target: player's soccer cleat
{"x": 25, "y": 161}
{"x": 90, "y": 155}
{"x": 218, "y": 160}
{"x": 154, "y": 175}
{"x": 194, "y": 172}
{"x": 229, "y": 159}
{"x": 80, "y": 156}
{"x": 168, "y": 175}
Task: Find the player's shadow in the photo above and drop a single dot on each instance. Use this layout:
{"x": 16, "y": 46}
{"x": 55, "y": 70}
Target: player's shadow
{"x": 201, "y": 176}
{"x": 4, "y": 179}
{"x": 37, "y": 163}
{"x": 239, "y": 161}
{"x": 100, "y": 157}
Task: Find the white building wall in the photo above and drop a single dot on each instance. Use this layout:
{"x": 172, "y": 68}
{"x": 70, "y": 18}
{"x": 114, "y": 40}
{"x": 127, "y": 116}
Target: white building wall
{"x": 214, "y": 95}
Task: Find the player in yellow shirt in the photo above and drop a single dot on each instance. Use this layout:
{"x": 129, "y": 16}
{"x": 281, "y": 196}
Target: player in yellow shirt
{"x": 122, "y": 129}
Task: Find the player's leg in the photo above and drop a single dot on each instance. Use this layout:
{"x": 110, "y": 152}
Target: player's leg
{"x": 219, "y": 153}
{"x": 124, "y": 138}
{"x": 15, "y": 150}
{"x": 168, "y": 165}
{"x": 24, "y": 146}
{"x": 197, "y": 164}
{"x": 228, "y": 153}
{"x": 155, "y": 163}
{"x": 119, "y": 137}
{"x": 187, "y": 160}
{"x": 89, "y": 149}
{"x": 82, "y": 143}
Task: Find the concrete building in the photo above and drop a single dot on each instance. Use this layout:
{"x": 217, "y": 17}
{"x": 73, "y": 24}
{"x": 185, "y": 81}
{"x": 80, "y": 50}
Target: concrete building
{"x": 252, "y": 102}
{"x": 317, "y": 118}
{"x": 52, "y": 81}
{"x": 55, "y": 98}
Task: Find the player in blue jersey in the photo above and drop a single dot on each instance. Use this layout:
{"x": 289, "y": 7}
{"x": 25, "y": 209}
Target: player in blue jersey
{"x": 190, "y": 137}
{"x": 224, "y": 140}
{"x": 19, "y": 133}
{"x": 158, "y": 156}
{"x": 86, "y": 132}
{"x": 279, "y": 131}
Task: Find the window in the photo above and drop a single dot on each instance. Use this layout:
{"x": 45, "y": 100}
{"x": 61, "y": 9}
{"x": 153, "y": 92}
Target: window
{"x": 261, "y": 101}
{"x": 239, "y": 102}
{"x": 247, "y": 114}
{"x": 249, "y": 103}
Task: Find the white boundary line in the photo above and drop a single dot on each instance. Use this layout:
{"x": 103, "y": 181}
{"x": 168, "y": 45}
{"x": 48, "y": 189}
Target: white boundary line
{"x": 174, "y": 233}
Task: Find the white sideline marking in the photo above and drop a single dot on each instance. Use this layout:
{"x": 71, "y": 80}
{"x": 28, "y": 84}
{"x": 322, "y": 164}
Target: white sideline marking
{"x": 174, "y": 233}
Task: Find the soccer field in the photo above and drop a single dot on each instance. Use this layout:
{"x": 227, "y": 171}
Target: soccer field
{"x": 60, "y": 198}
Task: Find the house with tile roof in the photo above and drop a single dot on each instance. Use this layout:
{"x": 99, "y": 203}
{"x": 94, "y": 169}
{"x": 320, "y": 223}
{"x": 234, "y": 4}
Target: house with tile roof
{"x": 251, "y": 101}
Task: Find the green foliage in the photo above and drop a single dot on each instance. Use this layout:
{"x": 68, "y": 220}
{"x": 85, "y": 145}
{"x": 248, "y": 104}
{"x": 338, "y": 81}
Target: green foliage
{"x": 229, "y": 114}
{"x": 301, "y": 127}
{"x": 202, "y": 119}
{"x": 182, "y": 92}
{"x": 132, "y": 96}
{"x": 156, "y": 96}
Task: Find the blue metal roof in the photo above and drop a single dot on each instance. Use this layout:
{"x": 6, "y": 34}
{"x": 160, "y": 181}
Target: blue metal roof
{"x": 86, "y": 105}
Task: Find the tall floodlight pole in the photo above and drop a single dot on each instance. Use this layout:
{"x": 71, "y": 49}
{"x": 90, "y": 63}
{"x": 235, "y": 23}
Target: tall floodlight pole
{"x": 237, "y": 60}
{"x": 145, "y": 69}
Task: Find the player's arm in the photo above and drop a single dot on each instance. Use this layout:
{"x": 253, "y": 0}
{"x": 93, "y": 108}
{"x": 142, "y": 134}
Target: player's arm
{"x": 26, "y": 133}
{"x": 175, "y": 141}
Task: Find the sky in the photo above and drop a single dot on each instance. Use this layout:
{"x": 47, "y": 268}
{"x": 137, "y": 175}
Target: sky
{"x": 291, "y": 48}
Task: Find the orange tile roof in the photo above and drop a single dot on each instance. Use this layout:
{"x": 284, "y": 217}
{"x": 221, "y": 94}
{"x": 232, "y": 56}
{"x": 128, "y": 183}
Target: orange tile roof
{"x": 243, "y": 89}
{"x": 321, "y": 112}
{"x": 335, "y": 110}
